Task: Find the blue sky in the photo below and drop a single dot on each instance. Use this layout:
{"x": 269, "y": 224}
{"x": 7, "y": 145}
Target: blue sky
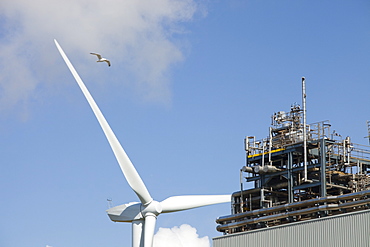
{"x": 189, "y": 80}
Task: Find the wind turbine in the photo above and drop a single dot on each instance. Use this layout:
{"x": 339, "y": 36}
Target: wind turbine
{"x": 143, "y": 214}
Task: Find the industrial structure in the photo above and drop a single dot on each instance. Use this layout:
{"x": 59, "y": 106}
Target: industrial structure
{"x": 301, "y": 173}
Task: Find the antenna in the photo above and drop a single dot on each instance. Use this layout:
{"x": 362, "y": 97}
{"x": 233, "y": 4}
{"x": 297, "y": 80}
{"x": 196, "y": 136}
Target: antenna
{"x": 110, "y": 204}
{"x": 304, "y": 128}
{"x": 368, "y": 130}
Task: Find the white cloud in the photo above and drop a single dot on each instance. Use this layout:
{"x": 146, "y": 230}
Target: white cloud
{"x": 183, "y": 236}
{"x": 138, "y": 35}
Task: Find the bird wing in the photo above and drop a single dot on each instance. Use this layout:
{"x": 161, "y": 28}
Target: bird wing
{"x": 97, "y": 54}
{"x": 108, "y": 62}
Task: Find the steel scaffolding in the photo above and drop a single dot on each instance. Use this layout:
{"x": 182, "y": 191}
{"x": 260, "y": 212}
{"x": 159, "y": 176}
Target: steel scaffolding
{"x": 300, "y": 171}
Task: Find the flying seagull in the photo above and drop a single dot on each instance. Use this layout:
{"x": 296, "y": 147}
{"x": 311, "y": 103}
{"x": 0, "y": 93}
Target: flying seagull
{"x": 101, "y": 59}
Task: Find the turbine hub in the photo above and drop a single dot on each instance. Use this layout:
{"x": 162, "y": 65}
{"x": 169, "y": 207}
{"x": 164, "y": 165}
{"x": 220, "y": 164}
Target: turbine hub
{"x": 154, "y": 208}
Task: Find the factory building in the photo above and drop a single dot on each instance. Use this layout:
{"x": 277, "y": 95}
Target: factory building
{"x": 311, "y": 188}
{"x": 342, "y": 230}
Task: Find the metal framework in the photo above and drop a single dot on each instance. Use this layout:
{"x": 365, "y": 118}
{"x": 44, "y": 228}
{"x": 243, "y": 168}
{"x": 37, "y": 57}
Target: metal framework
{"x": 300, "y": 172}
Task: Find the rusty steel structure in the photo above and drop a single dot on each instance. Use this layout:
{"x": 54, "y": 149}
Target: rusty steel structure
{"x": 300, "y": 172}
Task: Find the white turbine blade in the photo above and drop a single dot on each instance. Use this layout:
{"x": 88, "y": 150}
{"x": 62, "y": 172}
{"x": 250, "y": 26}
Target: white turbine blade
{"x": 127, "y": 168}
{"x": 149, "y": 227}
{"x": 137, "y": 233}
{"x": 179, "y": 203}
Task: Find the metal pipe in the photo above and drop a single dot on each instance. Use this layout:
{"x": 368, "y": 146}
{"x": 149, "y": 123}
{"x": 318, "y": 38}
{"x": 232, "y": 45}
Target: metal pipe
{"x": 295, "y": 205}
{"x": 270, "y": 145}
{"x": 323, "y": 167}
{"x": 247, "y": 169}
{"x": 344, "y": 152}
{"x": 290, "y": 178}
{"x": 262, "y": 197}
{"x": 348, "y": 149}
{"x": 241, "y": 191}
{"x": 263, "y": 169}
{"x": 304, "y": 128}
{"x": 263, "y": 152}
{"x": 294, "y": 213}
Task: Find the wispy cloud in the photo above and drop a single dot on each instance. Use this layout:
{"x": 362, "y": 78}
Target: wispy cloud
{"x": 136, "y": 34}
{"x": 183, "y": 236}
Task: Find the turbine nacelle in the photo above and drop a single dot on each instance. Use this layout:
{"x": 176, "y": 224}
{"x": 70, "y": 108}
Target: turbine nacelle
{"x": 125, "y": 212}
{"x": 132, "y": 211}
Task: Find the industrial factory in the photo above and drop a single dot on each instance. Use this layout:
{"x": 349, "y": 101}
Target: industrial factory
{"x": 311, "y": 188}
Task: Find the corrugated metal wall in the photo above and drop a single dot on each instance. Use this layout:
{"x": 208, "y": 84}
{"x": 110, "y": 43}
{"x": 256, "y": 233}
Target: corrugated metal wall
{"x": 346, "y": 230}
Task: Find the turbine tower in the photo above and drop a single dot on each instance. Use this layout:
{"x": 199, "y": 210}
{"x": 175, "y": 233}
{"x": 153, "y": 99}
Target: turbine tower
{"x": 143, "y": 214}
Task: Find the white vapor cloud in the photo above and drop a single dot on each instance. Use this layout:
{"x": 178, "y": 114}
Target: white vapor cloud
{"x": 183, "y": 236}
{"x": 137, "y": 35}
